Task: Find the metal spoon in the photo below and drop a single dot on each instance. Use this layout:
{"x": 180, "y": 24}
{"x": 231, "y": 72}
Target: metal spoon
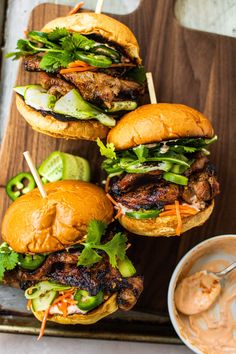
{"x": 225, "y": 271}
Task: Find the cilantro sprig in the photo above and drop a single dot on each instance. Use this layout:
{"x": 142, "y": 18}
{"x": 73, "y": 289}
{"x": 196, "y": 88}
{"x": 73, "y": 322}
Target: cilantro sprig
{"x": 115, "y": 248}
{"x": 8, "y": 259}
{"x": 59, "y": 48}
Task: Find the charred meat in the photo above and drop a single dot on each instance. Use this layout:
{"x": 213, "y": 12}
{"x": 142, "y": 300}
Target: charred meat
{"x": 100, "y": 88}
{"x": 62, "y": 267}
{"x": 149, "y": 190}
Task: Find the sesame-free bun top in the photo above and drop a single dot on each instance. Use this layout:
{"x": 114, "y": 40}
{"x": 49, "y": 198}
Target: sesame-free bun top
{"x": 35, "y": 224}
{"x": 102, "y": 25}
{"x": 152, "y": 123}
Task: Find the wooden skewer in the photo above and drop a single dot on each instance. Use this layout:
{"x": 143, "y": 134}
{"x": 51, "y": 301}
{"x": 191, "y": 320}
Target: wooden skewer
{"x": 151, "y": 88}
{"x": 35, "y": 173}
{"x": 99, "y": 6}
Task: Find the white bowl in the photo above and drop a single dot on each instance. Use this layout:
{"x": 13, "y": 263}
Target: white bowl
{"x": 220, "y": 248}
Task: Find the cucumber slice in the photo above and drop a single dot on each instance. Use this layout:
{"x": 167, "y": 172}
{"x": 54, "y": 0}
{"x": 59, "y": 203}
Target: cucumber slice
{"x": 39, "y": 99}
{"x": 126, "y": 267}
{"x": 63, "y": 166}
{"x": 21, "y": 89}
{"x": 106, "y": 120}
{"x": 73, "y": 105}
{"x": 123, "y": 106}
{"x": 42, "y": 303}
{"x": 84, "y": 168}
{"x": 75, "y": 168}
{"x": 51, "y": 168}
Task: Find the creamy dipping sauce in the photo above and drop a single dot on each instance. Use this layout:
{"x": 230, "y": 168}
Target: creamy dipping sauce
{"x": 212, "y": 331}
{"x": 197, "y": 293}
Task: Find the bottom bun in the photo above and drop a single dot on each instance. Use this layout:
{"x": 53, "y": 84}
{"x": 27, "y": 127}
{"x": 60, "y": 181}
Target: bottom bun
{"x": 165, "y": 225}
{"x": 81, "y": 129}
{"x": 107, "y": 308}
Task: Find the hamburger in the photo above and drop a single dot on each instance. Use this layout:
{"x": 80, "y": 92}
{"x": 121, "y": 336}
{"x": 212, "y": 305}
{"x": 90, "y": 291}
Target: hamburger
{"x": 58, "y": 250}
{"x": 90, "y": 73}
{"x": 159, "y": 174}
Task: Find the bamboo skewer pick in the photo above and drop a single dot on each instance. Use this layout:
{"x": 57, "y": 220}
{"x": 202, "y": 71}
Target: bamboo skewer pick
{"x": 99, "y": 6}
{"x": 151, "y": 88}
{"x": 35, "y": 173}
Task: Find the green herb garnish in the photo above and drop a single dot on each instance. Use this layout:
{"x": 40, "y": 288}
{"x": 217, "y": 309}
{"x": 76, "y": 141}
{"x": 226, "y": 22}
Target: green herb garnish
{"x": 8, "y": 259}
{"x": 115, "y": 248}
{"x": 170, "y": 156}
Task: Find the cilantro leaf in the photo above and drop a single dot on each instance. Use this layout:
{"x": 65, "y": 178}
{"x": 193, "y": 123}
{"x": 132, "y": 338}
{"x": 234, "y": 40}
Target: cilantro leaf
{"x": 57, "y": 34}
{"x": 95, "y": 231}
{"x": 24, "y": 48}
{"x": 88, "y": 257}
{"x": 108, "y": 150}
{"x": 51, "y": 62}
{"x": 42, "y": 37}
{"x": 115, "y": 248}
{"x": 76, "y": 41}
{"x": 82, "y": 42}
{"x": 8, "y": 259}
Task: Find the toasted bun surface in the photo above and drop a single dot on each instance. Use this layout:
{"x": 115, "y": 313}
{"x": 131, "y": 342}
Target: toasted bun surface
{"x": 108, "y": 307}
{"x": 35, "y": 224}
{"x": 102, "y": 25}
{"x": 165, "y": 225}
{"x": 81, "y": 129}
{"x": 156, "y": 122}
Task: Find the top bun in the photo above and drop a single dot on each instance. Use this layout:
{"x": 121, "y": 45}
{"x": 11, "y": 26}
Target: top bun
{"x": 102, "y": 25}
{"x": 152, "y": 123}
{"x": 35, "y": 224}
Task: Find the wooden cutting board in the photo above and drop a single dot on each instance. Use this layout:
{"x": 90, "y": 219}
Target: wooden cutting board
{"x": 189, "y": 67}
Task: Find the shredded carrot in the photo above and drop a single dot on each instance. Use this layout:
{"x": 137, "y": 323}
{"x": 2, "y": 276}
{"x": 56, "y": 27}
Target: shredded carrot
{"x": 44, "y": 322}
{"x": 168, "y": 213}
{"x": 76, "y": 8}
{"x": 112, "y": 200}
{"x": 179, "y": 220}
{"x": 179, "y": 211}
{"x": 107, "y": 184}
{"x": 120, "y": 212}
{"x": 76, "y": 63}
{"x": 79, "y": 68}
{"x": 63, "y": 308}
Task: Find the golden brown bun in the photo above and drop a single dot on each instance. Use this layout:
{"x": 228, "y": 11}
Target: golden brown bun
{"x": 108, "y": 307}
{"x": 156, "y": 122}
{"x": 86, "y": 130}
{"x": 164, "y": 225}
{"x": 102, "y": 25}
{"x": 35, "y": 224}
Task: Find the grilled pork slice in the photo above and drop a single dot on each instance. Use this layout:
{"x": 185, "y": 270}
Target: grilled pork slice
{"x": 54, "y": 85}
{"x": 31, "y": 63}
{"x": 62, "y": 267}
{"x": 202, "y": 187}
{"x": 150, "y": 196}
{"x": 100, "y": 88}
{"x": 149, "y": 190}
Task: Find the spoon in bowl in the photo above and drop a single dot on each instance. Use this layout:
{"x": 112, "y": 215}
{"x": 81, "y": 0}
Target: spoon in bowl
{"x": 199, "y": 291}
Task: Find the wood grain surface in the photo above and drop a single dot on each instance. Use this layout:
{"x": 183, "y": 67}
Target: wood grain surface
{"x": 189, "y": 67}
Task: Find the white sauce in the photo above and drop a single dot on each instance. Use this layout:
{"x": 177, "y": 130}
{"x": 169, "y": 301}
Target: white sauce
{"x": 54, "y": 310}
